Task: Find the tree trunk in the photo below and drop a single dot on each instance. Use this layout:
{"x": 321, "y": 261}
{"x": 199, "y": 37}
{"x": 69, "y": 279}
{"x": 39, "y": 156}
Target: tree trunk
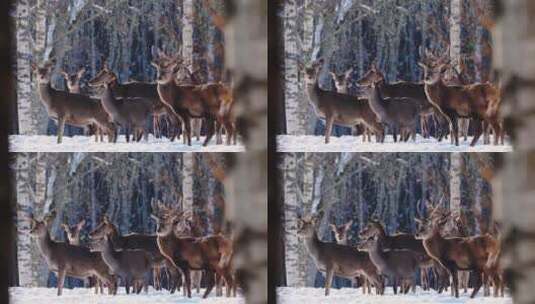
{"x": 296, "y": 107}
{"x": 456, "y": 171}
{"x": 188, "y": 19}
{"x": 28, "y": 121}
{"x": 188, "y": 173}
{"x": 514, "y": 207}
{"x": 456, "y": 10}
{"x": 295, "y": 261}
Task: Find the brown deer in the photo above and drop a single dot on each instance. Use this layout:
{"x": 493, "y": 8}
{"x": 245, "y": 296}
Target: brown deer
{"x": 400, "y": 113}
{"x": 404, "y": 89}
{"x": 70, "y": 108}
{"x": 471, "y": 253}
{"x": 480, "y": 102}
{"x": 132, "y": 266}
{"x": 399, "y": 265}
{"x": 337, "y": 108}
{"x": 69, "y": 260}
{"x": 213, "y": 102}
{"x": 402, "y": 241}
{"x": 131, "y": 114}
{"x": 73, "y": 236}
{"x": 341, "y": 237}
{"x": 334, "y": 259}
{"x": 187, "y": 253}
{"x": 136, "y": 241}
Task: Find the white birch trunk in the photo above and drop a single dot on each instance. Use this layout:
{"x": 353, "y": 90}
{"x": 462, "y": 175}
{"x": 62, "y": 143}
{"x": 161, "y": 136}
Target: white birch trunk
{"x": 188, "y": 172}
{"x": 514, "y": 206}
{"x": 456, "y": 8}
{"x": 456, "y": 171}
{"x": 40, "y": 269}
{"x": 24, "y": 210}
{"x": 295, "y": 106}
{"x": 294, "y": 259}
{"x": 27, "y": 120}
{"x": 188, "y": 18}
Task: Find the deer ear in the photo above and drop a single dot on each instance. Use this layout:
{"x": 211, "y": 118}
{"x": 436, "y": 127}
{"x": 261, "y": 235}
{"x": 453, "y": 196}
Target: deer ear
{"x": 65, "y": 75}
{"x": 81, "y": 72}
{"x": 333, "y": 227}
{"x": 81, "y": 223}
{"x": 348, "y": 224}
{"x": 348, "y": 72}
{"x": 422, "y": 65}
{"x": 154, "y": 217}
{"x": 65, "y": 227}
{"x": 34, "y": 66}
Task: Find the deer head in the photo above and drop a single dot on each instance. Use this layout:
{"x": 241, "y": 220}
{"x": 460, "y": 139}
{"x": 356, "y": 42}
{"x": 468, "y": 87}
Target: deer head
{"x": 44, "y": 72}
{"x": 306, "y": 225}
{"x": 103, "y": 78}
{"x": 311, "y": 72}
{"x": 341, "y": 80}
{"x": 105, "y": 227}
{"x": 39, "y": 228}
{"x": 373, "y": 75}
{"x": 73, "y": 80}
{"x": 340, "y": 232}
{"x": 373, "y": 228}
{"x": 73, "y": 233}
{"x": 433, "y": 75}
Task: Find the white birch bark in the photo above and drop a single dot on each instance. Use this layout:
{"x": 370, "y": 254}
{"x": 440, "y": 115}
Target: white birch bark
{"x": 456, "y": 170}
{"x": 188, "y": 11}
{"x": 294, "y": 260}
{"x": 513, "y": 204}
{"x": 24, "y": 210}
{"x": 188, "y": 172}
{"x": 456, "y": 7}
{"x": 27, "y": 120}
{"x": 295, "y": 106}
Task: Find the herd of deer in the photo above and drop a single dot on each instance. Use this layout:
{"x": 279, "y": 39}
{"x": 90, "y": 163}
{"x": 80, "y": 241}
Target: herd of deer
{"x": 130, "y": 106}
{"x": 442, "y": 98}
{"x": 176, "y": 248}
{"x": 441, "y": 249}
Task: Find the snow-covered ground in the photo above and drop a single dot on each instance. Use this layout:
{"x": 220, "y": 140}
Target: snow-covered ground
{"x": 288, "y": 143}
{"x": 21, "y": 295}
{"x": 287, "y": 295}
{"x": 43, "y": 143}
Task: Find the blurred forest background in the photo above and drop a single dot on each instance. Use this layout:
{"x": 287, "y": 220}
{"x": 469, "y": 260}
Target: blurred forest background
{"x": 83, "y": 33}
{"x": 391, "y": 187}
{"x": 393, "y": 34}
{"x": 89, "y": 185}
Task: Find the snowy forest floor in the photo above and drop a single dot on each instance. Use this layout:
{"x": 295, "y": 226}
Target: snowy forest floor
{"x": 20, "y": 295}
{"x": 289, "y": 143}
{"x": 287, "y": 295}
{"x": 43, "y": 143}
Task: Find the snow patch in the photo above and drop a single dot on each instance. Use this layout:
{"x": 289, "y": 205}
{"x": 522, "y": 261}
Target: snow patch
{"x": 44, "y": 143}
{"x": 22, "y": 295}
{"x": 287, "y": 295}
{"x": 310, "y": 143}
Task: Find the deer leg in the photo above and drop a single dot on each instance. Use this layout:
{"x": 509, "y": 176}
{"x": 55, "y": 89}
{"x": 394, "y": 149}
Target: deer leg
{"x": 61, "y": 128}
{"x": 329, "y": 128}
{"x": 478, "y": 283}
{"x": 497, "y": 131}
{"x": 187, "y": 279}
{"x": 210, "y": 128}
{"x": 328, "y": 280}
{"x": 61, "y": 279}
{"x": 210, "y": 283}
{"x": 477, "y": 131}
{"x": 230, "y": 131}
{"x": 454, "y": 126}
{"x": 187, "y": 125}
{"x": 455, "y": 287}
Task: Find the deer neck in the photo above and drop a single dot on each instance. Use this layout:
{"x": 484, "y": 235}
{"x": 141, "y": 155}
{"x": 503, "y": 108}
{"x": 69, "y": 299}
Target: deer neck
{"x": 46, "y": 92}
{"x": 108, "y": 100}
{"x": 313, "y": 91}
{"x": 377, "y": 256}
{"x": 377, "y": 104}
{"x": 75, "y": 89}
{"x": 109, "y": 255}
{"x": 434, "y": 91}
{"x": 45, "y": 245}
{"x": 312, "y": 243}
{"x": 167, "y": 92}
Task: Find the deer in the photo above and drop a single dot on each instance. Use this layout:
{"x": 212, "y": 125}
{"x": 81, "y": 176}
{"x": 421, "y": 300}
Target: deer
{"x": 341, "y": 237}
{"x": 457, "y": 253}
{"x": 132, "y": 266}
{"x": 398, "y": 265}
{"x": 130, "y": 113}
{"x": 69, "y": 260}
{"x": 404, "y": 89}
{"x": 189, "y": 227}
{"x": 402, "y": 241}
{"x": 73, "y": 236}
{"x": 400, "y": 113}
{"x": 137, "y": 241}
{"x": 334, "y": 259}
{"x": 213, "y": 102}
{"x": 337, "y": 108}
{"x": 187, "y": 253}
{"x": 480, "y": 102}
{"x": 69, "y": 108}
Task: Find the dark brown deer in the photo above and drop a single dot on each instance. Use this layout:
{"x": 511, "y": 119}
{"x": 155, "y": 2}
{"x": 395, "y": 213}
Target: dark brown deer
{"x": 147, "y": 91}
{"x": 480, "y": 102}
{"x": 132, "y": 266}
{"x": 213, "y": 102}
{"x": 187, "y": 253}
{"x": 341, "y": 237}
{"x": 70, "y": 108}
{"x": 404, "y": 89}
{"x": 455, "y": 254}
{"x": 336, "y": 108}
{"x": 400, "y": 113}
{"x": 131, "y": 114}
{"x": 73, "y": 236}
{"x": 136, "y": 241}
{"x": 399, "y": 265}
{"x": 334, "y": 259}
{"x": 69, "y": 260}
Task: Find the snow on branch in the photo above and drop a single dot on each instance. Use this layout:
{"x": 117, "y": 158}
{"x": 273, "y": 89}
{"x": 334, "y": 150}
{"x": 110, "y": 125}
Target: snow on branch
{"x": 343, "y": 9}
{"x": 75, "y": 9}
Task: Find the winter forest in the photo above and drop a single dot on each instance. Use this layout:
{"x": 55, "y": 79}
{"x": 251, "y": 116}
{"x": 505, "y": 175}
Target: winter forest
{"x": 64, "y": 45}
{"x": 340, "y": 54}
{"x": 344, "y": 192}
